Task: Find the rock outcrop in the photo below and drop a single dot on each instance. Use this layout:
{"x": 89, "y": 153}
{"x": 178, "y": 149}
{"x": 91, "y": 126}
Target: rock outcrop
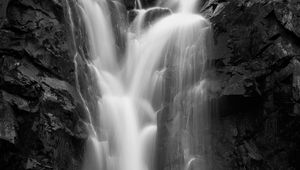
{"x": 41, "y": 115}
{"x": 254, "y": 92}
{"x": 256, "y": 123}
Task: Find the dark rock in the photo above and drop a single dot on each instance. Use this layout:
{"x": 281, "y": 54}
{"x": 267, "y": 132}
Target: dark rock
{"x": 131, "y": 4}
{"x": 38, "y": 30}
{"x": 8, "y": 124}
{"x": 257, "y": 60}
{"x": 152, "y": 15}
{"x": 148, "y": 3}
{"x": 120, "y": 25}
{"x": 296, "y": 86}
{"x": 288, "y": 14}
{"x": 132, "y": 15}
{"x": 255, "y": 94}
{"x": 41, "y": 113}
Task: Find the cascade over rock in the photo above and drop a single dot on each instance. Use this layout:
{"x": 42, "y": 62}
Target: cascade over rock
{"x": 254, "y": 84}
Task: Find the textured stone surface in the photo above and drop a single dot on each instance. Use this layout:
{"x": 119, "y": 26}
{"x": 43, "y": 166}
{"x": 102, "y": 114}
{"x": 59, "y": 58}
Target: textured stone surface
{"x": 152, "y": 15}
{"x": 256, "y": 91}
{"x": 41, "y": 115}
{"x": 256, "y": 125}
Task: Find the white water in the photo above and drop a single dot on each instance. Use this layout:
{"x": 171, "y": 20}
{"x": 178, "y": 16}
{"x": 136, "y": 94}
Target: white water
{"x": 138, "y": 4}
{"x": 132, "y": 90}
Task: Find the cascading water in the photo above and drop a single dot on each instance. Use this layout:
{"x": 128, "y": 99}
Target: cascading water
{"x": 166, "y": 59}
{"x": 138, "y": 4}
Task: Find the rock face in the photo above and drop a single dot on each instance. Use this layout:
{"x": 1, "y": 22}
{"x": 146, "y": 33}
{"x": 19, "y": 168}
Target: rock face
{"x": 255, "y": 96}
{"x": 131, "y": 4}
{"x": 256, "y": 121}
{"x": 41, "y": 115}
{"x": 254, "y": 92}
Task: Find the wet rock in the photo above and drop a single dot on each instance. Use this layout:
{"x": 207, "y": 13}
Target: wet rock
{"x": 132, "y": 15}
{"x": 235, "y": 86}
{"x": 38, "y": 30}
{"x": 19, "y": 102}
{"x": 41, "y": 113}
{"x": 148, "y": 3}
{"x": 153, "y": 14}
{"x": 120, "y": 25}
{"x": 15, "y": 82}
{"x": 131, "y": 4}
{"x": 8, "y": 123}
{"x": 288, "y": 14}
{"x": 296, "y": 87}
{"x": 257, "y": 44}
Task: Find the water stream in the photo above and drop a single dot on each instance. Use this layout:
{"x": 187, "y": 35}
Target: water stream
{"x": 167, "y": 56}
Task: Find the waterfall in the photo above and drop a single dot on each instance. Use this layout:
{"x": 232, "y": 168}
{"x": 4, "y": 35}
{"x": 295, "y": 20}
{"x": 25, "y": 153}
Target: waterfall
{"x": 164, "y": 59}
{"x": 138, "y": 4}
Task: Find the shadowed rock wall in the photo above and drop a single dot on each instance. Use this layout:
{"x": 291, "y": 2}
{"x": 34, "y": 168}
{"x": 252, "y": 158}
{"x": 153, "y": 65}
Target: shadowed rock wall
{"x": 256, "y": 122}
{"x": 255, "y": 89}
{"x": 41, "y": 115}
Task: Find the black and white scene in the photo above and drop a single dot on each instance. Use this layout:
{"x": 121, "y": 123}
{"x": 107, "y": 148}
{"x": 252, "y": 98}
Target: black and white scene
{"x": 149, "y": 84}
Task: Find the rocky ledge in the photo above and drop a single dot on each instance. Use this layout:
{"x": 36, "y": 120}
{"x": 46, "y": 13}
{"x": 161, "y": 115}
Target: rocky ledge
{"x": 255, "y": 80}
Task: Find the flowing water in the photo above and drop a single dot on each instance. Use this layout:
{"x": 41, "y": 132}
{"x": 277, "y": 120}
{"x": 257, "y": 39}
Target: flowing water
{"x": 138, "y": 4}
{"x": 168, "y": 56}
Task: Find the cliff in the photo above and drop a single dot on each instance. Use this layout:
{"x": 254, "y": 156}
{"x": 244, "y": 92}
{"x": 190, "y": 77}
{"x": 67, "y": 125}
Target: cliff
{"x": 41, "y": 113}
{"x": 256, "y": 123}
{"x": 254, "y": 86}
{"x": 254, "y": 92}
